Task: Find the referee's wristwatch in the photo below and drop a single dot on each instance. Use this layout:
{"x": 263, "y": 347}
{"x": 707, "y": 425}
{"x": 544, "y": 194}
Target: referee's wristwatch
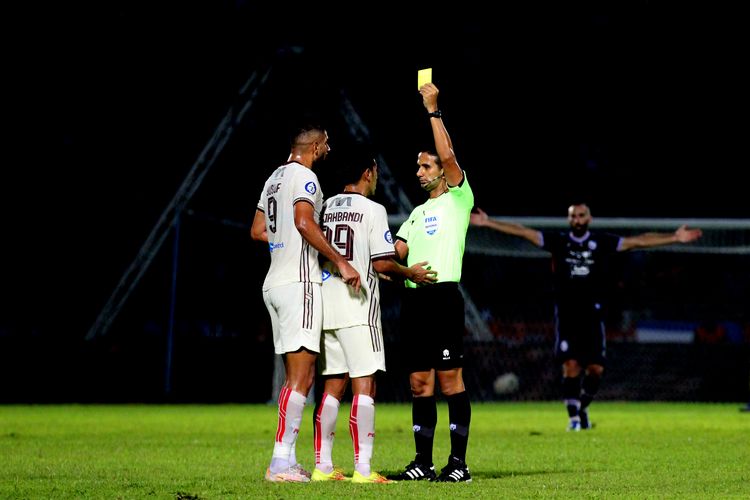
{"x": 435, "y": 114}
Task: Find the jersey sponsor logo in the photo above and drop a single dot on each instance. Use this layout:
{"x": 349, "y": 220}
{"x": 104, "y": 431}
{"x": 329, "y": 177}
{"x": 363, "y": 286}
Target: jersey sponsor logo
{"x": 388, "y": 237}
{"x": 326, "y": 274}
{"x": 431, "y": 225}
{"x": 580, "y": 262}
{"x": 310, "y": 187}
{"x": 275, "y": 246}
{"x": 446, "y": 354}
{"x": 580, "y": 271}
{"x": 347, "y": 201}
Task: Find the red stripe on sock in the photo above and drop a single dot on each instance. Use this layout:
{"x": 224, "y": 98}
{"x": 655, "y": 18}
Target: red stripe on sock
{"x": 283, "y": 401}
{"x": 317, "y": 439}
{"x": 353, "y": 427}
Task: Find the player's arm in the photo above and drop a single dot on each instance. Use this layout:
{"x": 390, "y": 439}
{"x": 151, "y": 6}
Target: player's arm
{"x": 443, "y": 144}
{"x": 416, "y": 273}
{"x": 481, "y": 219}
{"x": 258, "y": 230}
{"x": 402, "y": 249}
{"x": 647, "y": 240}
{"x": 304, "y": 220}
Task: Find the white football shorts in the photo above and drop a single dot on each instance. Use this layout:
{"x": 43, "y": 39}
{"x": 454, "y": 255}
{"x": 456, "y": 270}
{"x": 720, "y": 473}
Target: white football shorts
{"x": 357, "y": 350}
{"x": 296, "y": 311}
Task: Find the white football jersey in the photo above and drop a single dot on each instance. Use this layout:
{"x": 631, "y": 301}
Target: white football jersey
{"x": 293, "y": 259}
{"x": 358, "y": 228}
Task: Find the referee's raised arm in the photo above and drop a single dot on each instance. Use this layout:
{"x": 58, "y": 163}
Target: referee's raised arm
{"x": 453, "y": 173}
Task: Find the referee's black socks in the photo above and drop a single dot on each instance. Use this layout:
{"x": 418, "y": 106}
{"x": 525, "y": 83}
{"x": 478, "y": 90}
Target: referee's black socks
{"x": 424, "y": 419}
{"x": 459, "y": 413}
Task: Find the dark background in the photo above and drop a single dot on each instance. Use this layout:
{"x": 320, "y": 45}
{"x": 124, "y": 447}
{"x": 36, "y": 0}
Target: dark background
{"x": 635, "y": 106}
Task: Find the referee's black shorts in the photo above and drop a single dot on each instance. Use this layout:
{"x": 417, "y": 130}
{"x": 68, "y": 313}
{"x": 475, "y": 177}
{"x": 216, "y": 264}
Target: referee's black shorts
{"x": 432, "y": 327}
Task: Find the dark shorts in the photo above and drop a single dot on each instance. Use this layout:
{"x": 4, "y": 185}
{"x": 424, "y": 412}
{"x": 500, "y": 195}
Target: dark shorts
{"x": 432, "y": 327}
{"x": 579, "y": 334}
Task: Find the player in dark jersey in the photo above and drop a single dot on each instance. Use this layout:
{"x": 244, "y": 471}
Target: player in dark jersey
{"x": 580, "y": 258}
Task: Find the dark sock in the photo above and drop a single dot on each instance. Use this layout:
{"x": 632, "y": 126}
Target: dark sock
{"x": 424, "y": 418}
{"x": 459, "y": 413}
{"x": 589, "y": 389}
{"x": 571, "y": 389}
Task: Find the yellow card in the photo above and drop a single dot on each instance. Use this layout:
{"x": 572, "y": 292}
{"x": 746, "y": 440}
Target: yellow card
{"x": 424, "y": 76}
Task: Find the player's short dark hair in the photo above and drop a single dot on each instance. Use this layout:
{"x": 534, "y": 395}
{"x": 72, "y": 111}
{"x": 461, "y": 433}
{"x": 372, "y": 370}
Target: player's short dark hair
{"x": 352, "y": 161}
{"x": 301, "y": 132}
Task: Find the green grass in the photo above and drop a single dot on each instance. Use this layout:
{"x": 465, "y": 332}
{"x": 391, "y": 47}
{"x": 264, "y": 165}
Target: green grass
{"x": 516, "y": 450}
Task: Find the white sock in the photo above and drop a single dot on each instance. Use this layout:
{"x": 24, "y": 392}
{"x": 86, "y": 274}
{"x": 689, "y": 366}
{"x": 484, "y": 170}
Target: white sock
{"x": 362, "y": 429}
{"x": 325, "y": 429}
{"x": 291, "y": 405}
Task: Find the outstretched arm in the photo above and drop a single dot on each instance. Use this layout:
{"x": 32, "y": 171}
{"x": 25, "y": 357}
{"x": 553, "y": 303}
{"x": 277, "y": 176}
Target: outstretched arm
{"x": 416, "y": 273}
{"x": 304, "y": 220}
{"x": 453, "y": 173}
{"x": 647, "y": 240}
{"x": 482, "y": 219}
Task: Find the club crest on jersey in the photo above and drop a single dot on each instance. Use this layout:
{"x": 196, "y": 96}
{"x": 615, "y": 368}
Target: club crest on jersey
{"x": 592, "y": 245}
{"x": 326, "y": 274}
{"x": 310, "y": 187}
{"x": 430, "y": 224}
{"x": 388, "y": 237}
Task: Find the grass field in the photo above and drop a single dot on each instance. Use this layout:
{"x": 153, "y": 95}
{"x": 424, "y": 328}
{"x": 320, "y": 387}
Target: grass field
{"x": 516, "y": 450}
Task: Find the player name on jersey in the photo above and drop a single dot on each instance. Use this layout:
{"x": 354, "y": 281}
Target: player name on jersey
{"x": 342, "y": 217}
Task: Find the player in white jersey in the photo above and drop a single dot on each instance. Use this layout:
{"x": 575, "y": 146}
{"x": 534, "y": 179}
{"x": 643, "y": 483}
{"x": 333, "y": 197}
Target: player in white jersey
{"x": 352, "y": 345}
{"x": 287, "y": 219}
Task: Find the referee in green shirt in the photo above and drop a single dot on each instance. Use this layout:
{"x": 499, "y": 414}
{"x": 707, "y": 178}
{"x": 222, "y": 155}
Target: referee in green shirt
{"x": 432, "y": 316}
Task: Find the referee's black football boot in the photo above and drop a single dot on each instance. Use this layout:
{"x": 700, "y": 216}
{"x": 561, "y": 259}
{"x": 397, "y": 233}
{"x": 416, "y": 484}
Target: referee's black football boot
{"x": 455, "y": 472}
{"x": 415, "y": 472}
